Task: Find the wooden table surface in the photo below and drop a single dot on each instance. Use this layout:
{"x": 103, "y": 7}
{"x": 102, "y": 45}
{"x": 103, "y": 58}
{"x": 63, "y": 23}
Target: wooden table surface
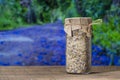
{"x": 51, "y": 73}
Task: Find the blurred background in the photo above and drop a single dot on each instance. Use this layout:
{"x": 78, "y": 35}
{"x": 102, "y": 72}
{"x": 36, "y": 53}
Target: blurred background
{"x": 22, "y": 20}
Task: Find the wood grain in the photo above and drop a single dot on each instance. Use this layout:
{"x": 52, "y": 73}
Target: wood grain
{"x": 51, "y": 73}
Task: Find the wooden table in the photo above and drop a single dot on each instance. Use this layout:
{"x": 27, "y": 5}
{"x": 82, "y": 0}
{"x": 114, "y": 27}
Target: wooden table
{"x": 51, "y": 73}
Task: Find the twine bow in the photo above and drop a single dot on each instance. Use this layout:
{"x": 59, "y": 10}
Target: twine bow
{"x": 68, "y": 28}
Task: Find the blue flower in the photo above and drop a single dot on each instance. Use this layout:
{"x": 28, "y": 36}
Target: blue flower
{"x": 43, "y": 53}
{"x": 63, "y": 62}
{"x": 55, "y": 58}
{"x": 94, "y": 53}
{"x": 104, "y": 60}
{"x": 63, "y": 57}
{"x": 61, "y": 43}
{"x": 6, "y": 64}
{"x": 40, "y": 57}
{"x": 62, "y": 31}
{"x": 26, "y": 57}
{"x": 96, "y": 60}
{"x": 98, "y": 49}
{"x": 93, "y": 47}
{"x": 43, "y": 40}
{"x": 20, "y": 55}
{"x": 45, "y": 62}
{"x": 18, "y": 63}
{"x": 1, "y": 42}
{"x": 117, "y": 60}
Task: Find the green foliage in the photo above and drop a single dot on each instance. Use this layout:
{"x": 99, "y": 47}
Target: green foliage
{"x": 52, "y": 10}
{"x": 13, "y": 15}
{"x": 108, "y": 34}
{"x": 10, "y": 15}
{"x": 93, "y": 8}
